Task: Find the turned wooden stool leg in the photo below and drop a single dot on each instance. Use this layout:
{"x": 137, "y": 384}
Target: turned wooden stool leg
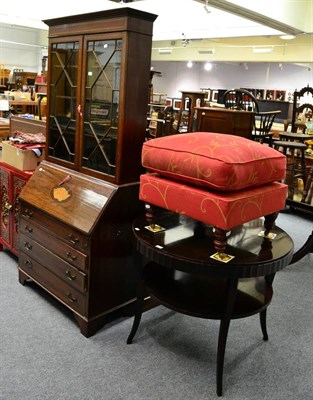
{"x": 269, "y": 222}
{"x": 150, "y": 215}
{"x": 220, "y": 240}
{"x": 199, "y": 229}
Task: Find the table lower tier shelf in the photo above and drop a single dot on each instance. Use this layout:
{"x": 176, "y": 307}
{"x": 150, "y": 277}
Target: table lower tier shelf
{"x": 204, "y": 296}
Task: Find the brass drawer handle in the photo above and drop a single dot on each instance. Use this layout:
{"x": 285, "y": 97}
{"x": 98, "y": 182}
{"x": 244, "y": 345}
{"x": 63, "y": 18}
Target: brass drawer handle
{"x": 73, "y": 239}
{"x": 70, "y": 297}
{"x": 28, "y": 246}
{"x": 71, "y": 257}
{"x": 27, "y": 213}
{"x": 70, "y": 276}
{"x": 28, "y": 264}
{"x": 28, "y": 229}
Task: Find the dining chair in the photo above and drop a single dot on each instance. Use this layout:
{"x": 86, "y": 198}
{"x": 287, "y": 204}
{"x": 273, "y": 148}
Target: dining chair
{"x": 240, "y": 99}
{"x": 263, "y": 122}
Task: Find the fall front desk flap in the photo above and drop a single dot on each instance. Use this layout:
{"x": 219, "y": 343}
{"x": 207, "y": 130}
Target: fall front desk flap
{"x": 71, "y": 197}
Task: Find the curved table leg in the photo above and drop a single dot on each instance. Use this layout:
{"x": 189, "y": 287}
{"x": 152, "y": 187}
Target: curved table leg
{"x": 304, "y": 250}
{"x": 263, "y": 324}
{"x": 138, "y": 312}
{"x": 269, "y": 281}
{"x": 222, "y": 337}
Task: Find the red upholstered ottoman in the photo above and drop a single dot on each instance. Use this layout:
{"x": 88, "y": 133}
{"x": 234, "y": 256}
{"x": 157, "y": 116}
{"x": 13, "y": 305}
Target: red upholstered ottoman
{"x": 220, "y": 180}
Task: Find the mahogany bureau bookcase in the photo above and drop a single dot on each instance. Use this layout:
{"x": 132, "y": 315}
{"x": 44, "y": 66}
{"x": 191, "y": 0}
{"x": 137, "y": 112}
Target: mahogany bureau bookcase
{"x": 78, "y": 207}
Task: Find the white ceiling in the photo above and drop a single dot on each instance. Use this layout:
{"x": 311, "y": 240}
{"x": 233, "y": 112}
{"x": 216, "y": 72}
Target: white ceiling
{"x": 178, "y": 17}
{"x": 231, "y": 28}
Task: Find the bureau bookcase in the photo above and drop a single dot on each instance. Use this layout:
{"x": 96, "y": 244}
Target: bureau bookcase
{"x": 77, "y": 208}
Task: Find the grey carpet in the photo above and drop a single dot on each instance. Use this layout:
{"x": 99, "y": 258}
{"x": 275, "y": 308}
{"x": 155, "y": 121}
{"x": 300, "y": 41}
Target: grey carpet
{"x": 44, "y": 357}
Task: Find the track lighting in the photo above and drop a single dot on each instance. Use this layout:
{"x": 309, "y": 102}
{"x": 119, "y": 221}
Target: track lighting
{"x": 287, "y": 37}
{"x": 185, "y": 41}
{"x": 206, "y": 7}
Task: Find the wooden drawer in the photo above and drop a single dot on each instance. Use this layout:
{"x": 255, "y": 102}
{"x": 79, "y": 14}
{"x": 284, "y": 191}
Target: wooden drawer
{"x": 56, "y": 246}
{"x": 54, "y": 285}
{"x": 54, "y": 263}
{"x": 72, "y": 236}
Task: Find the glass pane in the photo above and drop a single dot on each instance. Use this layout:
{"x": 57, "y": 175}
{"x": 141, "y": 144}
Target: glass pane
{"x": 63, "y": 92}
{"x": 101, "y": 105}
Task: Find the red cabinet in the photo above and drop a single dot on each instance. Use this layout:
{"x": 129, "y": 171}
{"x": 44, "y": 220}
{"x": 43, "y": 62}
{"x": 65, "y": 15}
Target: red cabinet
{"x": 12, "y": 181}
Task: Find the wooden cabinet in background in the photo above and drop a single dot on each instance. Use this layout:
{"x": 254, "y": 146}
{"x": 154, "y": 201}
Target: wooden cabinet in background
{"x": 22, "y": 78}
{"x": 224, "y": 120}
{"x": 12, "y": 181}
{"x": 270, "y": 105}
{"x": 41, "y": 88}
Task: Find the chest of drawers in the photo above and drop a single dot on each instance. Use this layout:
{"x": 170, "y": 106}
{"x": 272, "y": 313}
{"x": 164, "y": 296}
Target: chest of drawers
{"x": 75, "y": 242}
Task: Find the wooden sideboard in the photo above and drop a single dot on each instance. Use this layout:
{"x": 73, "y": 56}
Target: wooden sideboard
{"x": 224, "y": 120}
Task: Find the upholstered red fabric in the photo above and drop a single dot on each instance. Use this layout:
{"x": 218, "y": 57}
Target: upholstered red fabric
{"x": 214, "y": 160}
{"x": 223, "y": 210}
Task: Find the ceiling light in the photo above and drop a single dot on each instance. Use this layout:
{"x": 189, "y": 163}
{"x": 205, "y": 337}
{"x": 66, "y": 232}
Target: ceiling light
{"x": 262, "y": 49}
{"x": 189, "y": 64}
{"x": 208, "y": 66}
{"x": 287, "y": 37}
{"x": 165, "y": 51}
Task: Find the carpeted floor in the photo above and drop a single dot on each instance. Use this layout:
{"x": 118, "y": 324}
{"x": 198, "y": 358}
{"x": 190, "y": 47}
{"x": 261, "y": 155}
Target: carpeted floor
{"x": 44, "y": 357}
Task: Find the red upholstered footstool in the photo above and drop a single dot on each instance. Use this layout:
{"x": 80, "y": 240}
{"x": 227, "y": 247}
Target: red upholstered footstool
{"x": 218, "y": 179}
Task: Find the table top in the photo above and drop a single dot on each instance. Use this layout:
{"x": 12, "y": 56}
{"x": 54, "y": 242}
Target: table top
{"x": 179, "y": 248}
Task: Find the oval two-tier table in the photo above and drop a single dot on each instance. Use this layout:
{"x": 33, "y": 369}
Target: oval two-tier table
{"x": 177, "y": 270}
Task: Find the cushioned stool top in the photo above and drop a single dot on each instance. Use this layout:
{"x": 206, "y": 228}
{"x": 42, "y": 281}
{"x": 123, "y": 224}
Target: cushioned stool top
{"x": 223, "y": 210}
{"x": 213, "y": 160}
